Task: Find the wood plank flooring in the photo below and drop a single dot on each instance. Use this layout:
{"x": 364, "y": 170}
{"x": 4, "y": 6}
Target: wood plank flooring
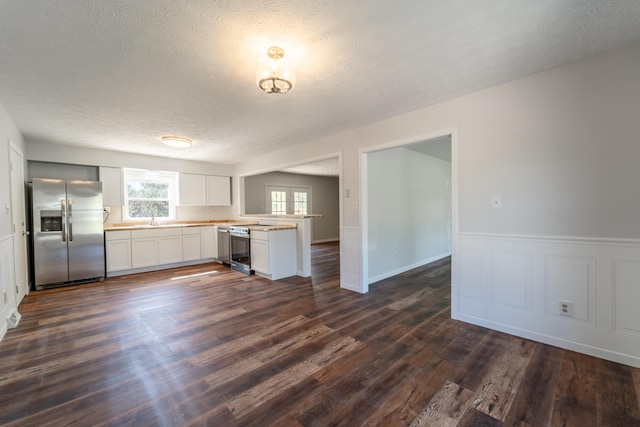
{"x": 207, "y": 346}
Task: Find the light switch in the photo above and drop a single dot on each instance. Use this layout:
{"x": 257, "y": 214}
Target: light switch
{"x": 496, "y": 202}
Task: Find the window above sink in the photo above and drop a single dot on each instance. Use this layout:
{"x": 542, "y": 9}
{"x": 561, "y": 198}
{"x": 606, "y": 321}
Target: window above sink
{"x": 149, "y": 195}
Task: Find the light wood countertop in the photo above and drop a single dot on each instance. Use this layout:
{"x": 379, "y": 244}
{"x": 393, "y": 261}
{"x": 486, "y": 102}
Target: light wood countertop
{"x": 144, "y": 225}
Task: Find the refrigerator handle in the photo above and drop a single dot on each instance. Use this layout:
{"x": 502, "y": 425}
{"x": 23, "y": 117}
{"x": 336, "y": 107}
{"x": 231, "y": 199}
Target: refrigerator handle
{"x": 64, "y": 219}
{"x": 70, "y": 203}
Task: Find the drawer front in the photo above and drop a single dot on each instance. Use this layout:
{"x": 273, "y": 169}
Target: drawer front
{"x": 117, "y": 235}
{"x": 260, "y": 235}
{"x": 156, "y": 232}
{"x": 187, "y": 231}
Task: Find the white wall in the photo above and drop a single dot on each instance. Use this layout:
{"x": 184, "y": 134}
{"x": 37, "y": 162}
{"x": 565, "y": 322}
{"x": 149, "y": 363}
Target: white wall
{"x": 46, "y": 152}
{"x": 409, "y": 211}
{"x": 9, "y": 134}
{"x": 561, "y": 148}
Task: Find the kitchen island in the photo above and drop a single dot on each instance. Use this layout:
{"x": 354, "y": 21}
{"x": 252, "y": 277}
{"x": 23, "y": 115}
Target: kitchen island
{"x": 273, "y": 251}
{"x": 303, "y": 235}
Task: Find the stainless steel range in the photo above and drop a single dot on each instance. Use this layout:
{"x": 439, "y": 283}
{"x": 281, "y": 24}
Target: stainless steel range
{"x": 240, "y": 249}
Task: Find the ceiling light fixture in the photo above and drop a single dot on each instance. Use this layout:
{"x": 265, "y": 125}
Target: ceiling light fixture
{"x": 273, "y": 73}
{"x": 176, "y": 141}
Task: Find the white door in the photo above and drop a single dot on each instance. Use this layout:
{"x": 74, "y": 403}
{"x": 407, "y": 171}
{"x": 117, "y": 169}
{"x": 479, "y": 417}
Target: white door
{"x": 18, "y": 224}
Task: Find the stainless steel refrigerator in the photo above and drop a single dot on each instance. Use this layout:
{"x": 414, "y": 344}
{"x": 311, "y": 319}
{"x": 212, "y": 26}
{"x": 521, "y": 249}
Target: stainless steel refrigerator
{"x": 68, "y": 238}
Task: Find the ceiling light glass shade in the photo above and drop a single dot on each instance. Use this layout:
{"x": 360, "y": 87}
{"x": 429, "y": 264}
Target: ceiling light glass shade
{"x": 274, "y": 73}
{"x": 177, "y": 141}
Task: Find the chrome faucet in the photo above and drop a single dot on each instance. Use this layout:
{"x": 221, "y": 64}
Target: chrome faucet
{"x": 154, "y": 209}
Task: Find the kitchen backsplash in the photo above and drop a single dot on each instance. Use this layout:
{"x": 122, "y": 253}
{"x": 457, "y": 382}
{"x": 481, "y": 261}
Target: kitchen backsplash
{"x": 183, "y": 213}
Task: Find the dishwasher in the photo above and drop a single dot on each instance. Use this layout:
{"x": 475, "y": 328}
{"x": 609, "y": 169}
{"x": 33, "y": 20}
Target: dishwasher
{"x": 224, "y": 256}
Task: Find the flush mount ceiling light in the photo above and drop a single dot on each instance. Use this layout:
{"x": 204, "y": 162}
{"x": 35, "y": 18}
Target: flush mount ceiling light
{"x": 274, "y": 74}
{"x": 176, "y": 141}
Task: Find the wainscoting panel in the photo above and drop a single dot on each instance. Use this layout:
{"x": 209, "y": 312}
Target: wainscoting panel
{"x": 571, "y": 280}
{"x": 470, "y": 295}
{"x": 516, "y": 284}
{"x": 626, "y": 289}
{"x": 511, "y": 281}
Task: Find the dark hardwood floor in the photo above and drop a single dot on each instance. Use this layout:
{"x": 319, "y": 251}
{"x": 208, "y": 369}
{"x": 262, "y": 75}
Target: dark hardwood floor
{"x": 211, "y": 347}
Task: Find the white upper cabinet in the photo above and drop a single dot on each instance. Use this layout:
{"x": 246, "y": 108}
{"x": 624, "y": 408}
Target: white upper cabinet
{"x": 204, "y": 190}
{"x": 112, "y": 186}
{"x": 192, "y": 190}
{"x": 218, "y": 191}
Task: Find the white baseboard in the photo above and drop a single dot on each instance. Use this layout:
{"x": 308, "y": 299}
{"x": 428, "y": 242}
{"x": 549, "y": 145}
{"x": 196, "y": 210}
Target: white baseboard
{"x": 335, "y": 239}
{"x": 407, "y": 268}
{"x": 590, "y": 350}
{"x": 3, "y": 330}
{"x": 351, "y": 287}
{"x": 13, "y": 319}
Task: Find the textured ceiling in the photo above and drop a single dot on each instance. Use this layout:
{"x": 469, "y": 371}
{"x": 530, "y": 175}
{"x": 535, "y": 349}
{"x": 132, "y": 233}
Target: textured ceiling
{"x": 324, "y": 167}
{"x": 118, "y": 74}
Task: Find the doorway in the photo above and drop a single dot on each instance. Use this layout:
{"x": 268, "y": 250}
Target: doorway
{"x": 18, "y": 223}
{"x": 410, "y": 184}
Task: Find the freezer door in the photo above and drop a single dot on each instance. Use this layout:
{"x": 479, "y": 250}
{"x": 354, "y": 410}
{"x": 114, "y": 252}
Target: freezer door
{"x": 86, "y": 244}
{"x": 49, "y": 248}
{"x": 85, "y": 195}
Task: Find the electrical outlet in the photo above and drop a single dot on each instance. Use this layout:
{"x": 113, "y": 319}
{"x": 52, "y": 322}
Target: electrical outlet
{"x": 565, "y": 308}
{"x": 496, "y": 202}
{"x": 107, "y": 209}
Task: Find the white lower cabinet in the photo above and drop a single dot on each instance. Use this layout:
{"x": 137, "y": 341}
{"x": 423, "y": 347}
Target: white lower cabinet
{"x": 118, "y": 255}
{"x": 144, "y": 252}
{"x": 260, "y": 255}
{"x": 191, "y": 243}
{"x": 132, "y": 251}
{"x": 118, "y": 250}
{"x": 273, "y": 253}
{"x": 169, "y": 249}
{"x": 208, "y": 242}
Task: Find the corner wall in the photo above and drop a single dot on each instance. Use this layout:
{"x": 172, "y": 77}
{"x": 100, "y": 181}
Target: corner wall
{"x": 561, "y": 149}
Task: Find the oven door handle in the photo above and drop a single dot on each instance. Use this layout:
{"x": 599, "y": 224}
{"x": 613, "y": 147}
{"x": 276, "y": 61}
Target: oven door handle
{"x": 242, "y": 236}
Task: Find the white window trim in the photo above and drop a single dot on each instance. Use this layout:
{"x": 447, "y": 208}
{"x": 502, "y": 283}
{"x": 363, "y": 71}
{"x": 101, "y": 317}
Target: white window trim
{"x": 152, "y": 176}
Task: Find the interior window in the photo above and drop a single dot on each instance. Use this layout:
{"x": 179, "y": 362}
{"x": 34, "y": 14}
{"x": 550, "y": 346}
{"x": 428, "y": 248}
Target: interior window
{"x": 300, "y": 202}
{"x": 149, "y": 194}
{"x": 278, "y": 202}
{"x": 289, "y": 200}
